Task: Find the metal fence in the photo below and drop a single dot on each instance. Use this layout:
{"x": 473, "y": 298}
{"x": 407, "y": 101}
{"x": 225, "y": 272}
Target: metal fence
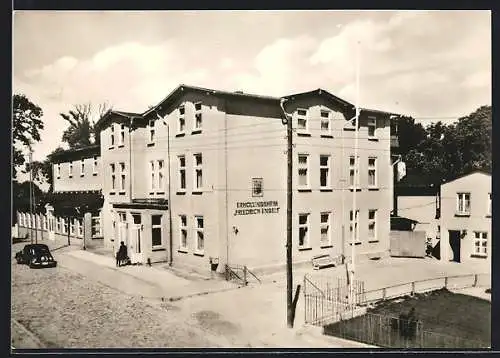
{"x": 422, "y": 286}
{"x": 392, "y": 332}
{"x": 326, "y": 300}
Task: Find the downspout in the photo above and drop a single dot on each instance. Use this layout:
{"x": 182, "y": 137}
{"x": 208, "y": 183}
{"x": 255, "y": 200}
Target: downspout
{"x": 226, "y": 181}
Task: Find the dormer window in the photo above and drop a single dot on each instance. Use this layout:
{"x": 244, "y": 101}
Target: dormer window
{"x": 302, "y": 125}
{"x": 112, "y": 136}
{"x": 58, "y": 171}
{"x": 82, "y": 167}
{"x": 372, "y": 126}
{"x": 71, "y": 170}
{"x": 197, "y": 117}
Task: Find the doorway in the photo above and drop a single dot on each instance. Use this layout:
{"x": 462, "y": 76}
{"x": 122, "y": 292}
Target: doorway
{"x": 455, "y": 242}
{"x": 136, "y": 239}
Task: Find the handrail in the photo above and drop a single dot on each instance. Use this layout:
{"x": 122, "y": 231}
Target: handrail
{"x": 251, "y": 273}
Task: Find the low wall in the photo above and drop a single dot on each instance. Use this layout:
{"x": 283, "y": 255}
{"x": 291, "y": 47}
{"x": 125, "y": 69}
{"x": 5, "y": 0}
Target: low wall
{"x": 407, "y": 243}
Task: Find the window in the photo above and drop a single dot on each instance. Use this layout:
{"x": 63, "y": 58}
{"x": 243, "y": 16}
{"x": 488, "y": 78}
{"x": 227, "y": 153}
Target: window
{"x": 200, "y": 239}
{"x": 182, "y": 120}
{"x": 112, "y": 136}
{"x": 326, "y": 126}
{"x": 463, "y": 203}
{"x": 152, "y": 171}
{"x": 70, "y": 170}
{"x": 257, "y": 187}
{"x": 182, "y": 172}
{"x": 113, "y": 177}
{"x": 58, "y": 225}
{"x": 82, "y": 167}
{"x": 372, "y": 225}
{"x": 372, "y": 126}
{"x": 80, "y": 227}
{"x": 325, "y": 238}
{"x": 303, "y": 171}
{"x": 303, "y": 231}
{"x": 45, "y": 223}
{"x": 489, "y": 205}
{"x": 156, "y": 235}
{"x": 96, "y": 226}
{"x": 480, "y": 243}
{"x": 151, "y": 131}
{"x": 58, "y": 171}
{"x": 372, "y": 172}
{"x": 160, "y": 176}
{"x": 94, "y": 166}
{"x": 197, "y": 117}
{"x": 198, "y": 173}
{"x": 183, "y": 232}
{"x": 353, "y": 170}
{"x": 354, "y": 224}
{"x": 302, "y": 120}
{"x": 122, "y": 135}
{"x": 324, "y": 171}
{"x": 72, "y": 227}
{"x": 122, "y": 177}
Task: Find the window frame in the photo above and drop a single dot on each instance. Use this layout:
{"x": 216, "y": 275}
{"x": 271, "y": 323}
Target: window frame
{"x": 354, "y": 168}
{"x": 354, "y": 222}
{"x": 480, "y": 240}
{"x": 461, "y": 199}
{"x": 328, "y": 224}
{"x": 121, "y": 141}
{"x": 82, "y": 167}
{"x": 183, "y": 228}
{"x": 372, "y": 123}
{"x": 181, "y": 170}
{"x": 197, "y": 230}
{"x": 70, "y": 170}
{"x": 151, "y": 132}
{"x": 181, "y": 118}
{"x": 113, "y": 177}
{"x": 306, "y": 244}
{"x": 374, "y": 169}
{"x": 123, "y": 177}
{"x": 198, "y": 117}
{"x": 328, "y": 169}
{"x": 58, "y": 171}
{"x": 302, "y": 166}
{"x": 197, "y": 167}
{"x": 160, "y": 171}
{"x": 152, "y": 177}
{"x": 373, "y": 238}
{"x": 489, "y": 207}
{"x": 94, "y": 166}
{"x": 329, "y": 121}
{"x": 157, "y": 226}
{"x": 302, "y": 117}
{"x": 112, "y": 136}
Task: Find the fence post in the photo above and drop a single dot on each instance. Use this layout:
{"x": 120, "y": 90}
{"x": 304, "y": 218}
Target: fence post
{"x": 384, "y": 293}
{"x": 446, "y": 282}
{"x": 68, "y": 228}
{"x": 305, "y": 301}
{"x": 475, "y": 280}
{"x": 245, "y": 275}
{"x": 413, "y": 288}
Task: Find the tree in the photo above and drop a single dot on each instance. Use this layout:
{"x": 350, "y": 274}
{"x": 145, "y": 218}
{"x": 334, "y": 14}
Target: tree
{"x": 81, "y": 131}
{"x": 27, "y": 125}
{"x": 42, "y": 170}
{"x": 410, "y": 134}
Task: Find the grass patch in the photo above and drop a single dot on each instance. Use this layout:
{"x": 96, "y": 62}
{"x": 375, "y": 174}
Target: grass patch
{"x": 441, "y": 312}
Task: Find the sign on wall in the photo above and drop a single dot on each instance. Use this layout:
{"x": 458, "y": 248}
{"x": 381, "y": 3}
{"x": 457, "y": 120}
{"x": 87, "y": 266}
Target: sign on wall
{"x": 256, "y": 208}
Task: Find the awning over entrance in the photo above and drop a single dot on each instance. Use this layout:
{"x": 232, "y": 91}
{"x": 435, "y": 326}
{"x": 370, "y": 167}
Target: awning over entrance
{"x": 159, "y": 204}
{"x": 75, "y": 203}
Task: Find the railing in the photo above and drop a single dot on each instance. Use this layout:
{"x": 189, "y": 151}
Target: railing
{"x": 240, "y": 274}
{"x": 422, "y": 286}
{"x": 387, "y": 331}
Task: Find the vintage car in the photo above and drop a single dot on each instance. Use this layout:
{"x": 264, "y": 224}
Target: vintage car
{"x": 36, "y": 256}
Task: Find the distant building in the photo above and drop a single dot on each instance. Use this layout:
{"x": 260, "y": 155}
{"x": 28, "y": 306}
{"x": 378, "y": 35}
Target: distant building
{"x": 466, "y": 219}
{"x": 200, "y": 179}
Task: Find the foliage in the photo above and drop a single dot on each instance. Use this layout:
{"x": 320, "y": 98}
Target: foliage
{"x": 443, "y": 152}
{"x": 42, "y": 170}
{"x": 26, "y": 127}
{"x": 81, "y": 131}
{"x": 21, "y": 197}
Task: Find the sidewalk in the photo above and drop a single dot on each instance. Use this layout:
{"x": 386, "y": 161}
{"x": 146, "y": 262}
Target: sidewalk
{"x": 141, "y": 280}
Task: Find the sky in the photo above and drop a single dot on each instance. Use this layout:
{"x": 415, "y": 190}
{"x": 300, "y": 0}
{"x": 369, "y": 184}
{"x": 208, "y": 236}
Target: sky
{"x": 432, "y": 65}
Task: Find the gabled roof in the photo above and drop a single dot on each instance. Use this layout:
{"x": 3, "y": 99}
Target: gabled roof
{"x": 472, "y": 172}
{"x": 322, "y": 92}
{"x": 110, "y": 114}
{"x": 182, "y": 88}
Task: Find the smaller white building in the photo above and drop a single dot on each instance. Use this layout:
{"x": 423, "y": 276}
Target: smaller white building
{"x": 466, "y": 219}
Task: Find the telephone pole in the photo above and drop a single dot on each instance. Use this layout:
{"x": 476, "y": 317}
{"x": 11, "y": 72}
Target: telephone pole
{"x": 31, "y": 196}
{"x": 289, "y": 278}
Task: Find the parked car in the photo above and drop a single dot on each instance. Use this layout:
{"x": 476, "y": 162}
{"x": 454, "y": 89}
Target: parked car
{"x": 36, "y": 256}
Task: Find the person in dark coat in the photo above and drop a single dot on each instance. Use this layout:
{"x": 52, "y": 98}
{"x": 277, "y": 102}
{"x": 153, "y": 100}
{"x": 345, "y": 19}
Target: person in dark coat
{"x": 121, "y": 255}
